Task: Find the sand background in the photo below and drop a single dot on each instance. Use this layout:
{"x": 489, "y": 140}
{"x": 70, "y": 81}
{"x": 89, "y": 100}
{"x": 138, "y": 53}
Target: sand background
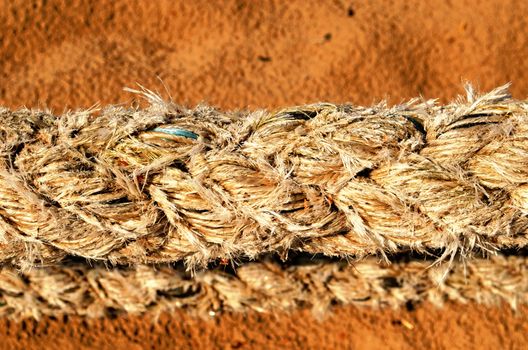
{"x": 240, "y": 54}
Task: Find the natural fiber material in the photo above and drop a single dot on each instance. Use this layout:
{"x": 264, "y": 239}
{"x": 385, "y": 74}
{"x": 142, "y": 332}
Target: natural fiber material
{"x": 164, "y": 184}
{"x": 266, "y": 286}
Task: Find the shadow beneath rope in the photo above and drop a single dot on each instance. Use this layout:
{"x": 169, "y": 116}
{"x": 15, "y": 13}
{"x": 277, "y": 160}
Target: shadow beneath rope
{"x": 296, "y": 258}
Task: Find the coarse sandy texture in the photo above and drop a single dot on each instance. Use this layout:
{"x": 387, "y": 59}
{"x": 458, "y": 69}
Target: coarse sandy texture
{"x": 236, "y": 54}
{"x": 258, "y": 54}
{"x": 454, "y": 327}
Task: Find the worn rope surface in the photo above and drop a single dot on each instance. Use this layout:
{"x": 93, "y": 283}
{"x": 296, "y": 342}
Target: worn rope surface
{"x": 165, "y": 184}
{"x": 266, "y": 286}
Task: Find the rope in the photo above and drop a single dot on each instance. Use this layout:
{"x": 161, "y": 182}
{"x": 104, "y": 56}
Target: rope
{"x": 165, "y": 183}
{"x": 77, "y": 289}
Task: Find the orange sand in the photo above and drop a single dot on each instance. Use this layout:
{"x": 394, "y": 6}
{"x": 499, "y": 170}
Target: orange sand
{"x": 242, "y": 54}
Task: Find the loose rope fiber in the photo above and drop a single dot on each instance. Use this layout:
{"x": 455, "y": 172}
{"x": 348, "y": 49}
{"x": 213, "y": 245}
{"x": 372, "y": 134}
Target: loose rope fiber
{"x": 77, "y": 289}
{"x": 165, "y": 184}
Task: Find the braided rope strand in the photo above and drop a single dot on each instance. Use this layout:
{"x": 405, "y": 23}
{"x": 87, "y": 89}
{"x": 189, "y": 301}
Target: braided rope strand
{"x": 78, "y": 289}
{"x": 165, "y": 183}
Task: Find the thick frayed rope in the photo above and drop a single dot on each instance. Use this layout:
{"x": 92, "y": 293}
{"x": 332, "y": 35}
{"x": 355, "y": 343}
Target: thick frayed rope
{"x": 78, "y": 289}
{"x": 165, "y": 184}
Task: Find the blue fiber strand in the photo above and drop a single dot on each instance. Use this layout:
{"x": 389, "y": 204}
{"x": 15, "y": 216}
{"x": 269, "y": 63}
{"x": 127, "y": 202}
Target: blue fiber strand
{"x": 178, "y": 132}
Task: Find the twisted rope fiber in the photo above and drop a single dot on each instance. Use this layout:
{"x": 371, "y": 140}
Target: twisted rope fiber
{"x": 264, "y": 287}
{"x": 165, "y": 183}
